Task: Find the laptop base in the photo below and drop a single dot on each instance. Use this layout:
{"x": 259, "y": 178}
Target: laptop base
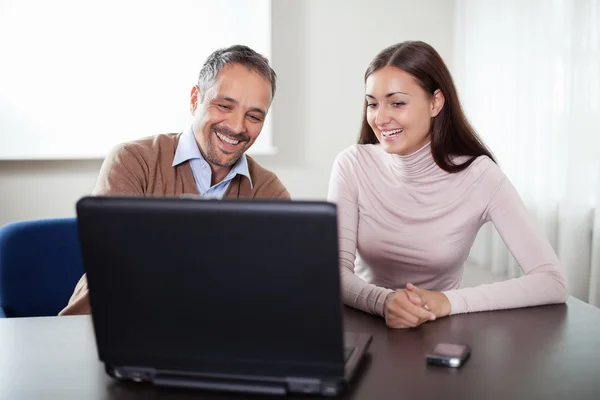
{"x": 229, "y": 383}
{"x": 356, "y": 345}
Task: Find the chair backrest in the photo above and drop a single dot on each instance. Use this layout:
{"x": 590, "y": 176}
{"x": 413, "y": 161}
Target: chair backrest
{"x": 40, "y": 264}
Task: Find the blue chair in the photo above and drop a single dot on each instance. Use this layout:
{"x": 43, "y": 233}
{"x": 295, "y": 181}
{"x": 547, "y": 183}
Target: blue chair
{"x": 40, "y": 264}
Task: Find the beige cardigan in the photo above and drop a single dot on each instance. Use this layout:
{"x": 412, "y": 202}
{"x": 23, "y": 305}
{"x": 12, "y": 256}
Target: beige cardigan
{"x": 144, "y": 167}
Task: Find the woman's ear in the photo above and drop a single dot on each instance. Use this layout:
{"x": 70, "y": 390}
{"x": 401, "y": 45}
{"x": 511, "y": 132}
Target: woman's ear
{"x": 437, "y": 103}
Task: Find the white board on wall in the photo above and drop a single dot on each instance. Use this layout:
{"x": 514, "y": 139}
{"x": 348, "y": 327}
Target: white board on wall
{"x": 78, "y": 77}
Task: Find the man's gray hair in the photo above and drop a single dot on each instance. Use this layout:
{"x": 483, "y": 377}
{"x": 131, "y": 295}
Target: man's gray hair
{"x": 237, "y": 54}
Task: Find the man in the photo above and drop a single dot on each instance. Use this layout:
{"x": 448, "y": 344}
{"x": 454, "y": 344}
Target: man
{"x": 229, "y": 104}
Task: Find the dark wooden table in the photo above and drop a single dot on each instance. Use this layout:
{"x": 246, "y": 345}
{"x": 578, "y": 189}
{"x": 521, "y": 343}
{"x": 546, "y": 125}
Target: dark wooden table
{"x": 550, "y": 352}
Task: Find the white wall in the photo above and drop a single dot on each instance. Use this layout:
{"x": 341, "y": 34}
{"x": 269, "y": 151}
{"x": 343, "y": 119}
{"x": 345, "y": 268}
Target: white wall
{"x": 320, "y": 52}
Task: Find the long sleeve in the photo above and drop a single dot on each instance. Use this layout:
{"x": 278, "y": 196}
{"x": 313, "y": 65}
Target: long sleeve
{"x": 122, "y": 173}
{"x": 543, "y": 280}
{"x": 119, "y": 175}
{"x": 355, "y": 292}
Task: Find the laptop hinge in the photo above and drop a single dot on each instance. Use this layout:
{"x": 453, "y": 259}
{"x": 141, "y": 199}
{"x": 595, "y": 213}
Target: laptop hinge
{"x": 220, "y": 385}
{"x": 313, "y": 386}
{"x": 304, "y": 385}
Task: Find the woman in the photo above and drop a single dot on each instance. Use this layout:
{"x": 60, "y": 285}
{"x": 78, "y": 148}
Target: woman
{"x": 413, "y": 194}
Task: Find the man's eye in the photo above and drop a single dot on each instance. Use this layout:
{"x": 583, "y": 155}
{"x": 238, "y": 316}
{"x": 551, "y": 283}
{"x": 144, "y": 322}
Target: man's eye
{"x": 254, "y": 118}
{"x": 224, "y": 107}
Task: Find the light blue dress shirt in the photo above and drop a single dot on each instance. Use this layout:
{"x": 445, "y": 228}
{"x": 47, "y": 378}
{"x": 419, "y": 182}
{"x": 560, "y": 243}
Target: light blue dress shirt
{"x": 187, "y": 149}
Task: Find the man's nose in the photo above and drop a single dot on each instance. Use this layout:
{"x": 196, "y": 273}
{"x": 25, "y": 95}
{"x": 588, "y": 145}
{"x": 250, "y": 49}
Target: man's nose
{"x": 236, "y": 122}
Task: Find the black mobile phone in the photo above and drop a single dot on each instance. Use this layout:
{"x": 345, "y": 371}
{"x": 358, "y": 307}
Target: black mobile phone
{"x": 449, "y": 355}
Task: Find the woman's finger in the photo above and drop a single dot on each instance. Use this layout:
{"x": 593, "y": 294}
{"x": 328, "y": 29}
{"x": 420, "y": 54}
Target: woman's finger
{"x": 400, "y": 323}
{"x": 418, "y": 310}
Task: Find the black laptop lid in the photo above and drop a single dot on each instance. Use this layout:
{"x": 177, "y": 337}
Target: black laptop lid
{"x": 214, "y": 286}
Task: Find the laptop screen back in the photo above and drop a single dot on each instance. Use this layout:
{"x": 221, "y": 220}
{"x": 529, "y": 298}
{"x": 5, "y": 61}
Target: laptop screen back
{"x": 233, "y": 286}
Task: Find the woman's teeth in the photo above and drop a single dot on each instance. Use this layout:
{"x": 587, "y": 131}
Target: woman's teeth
{"x": 392, "y": 132}
{"x": 226, "y": 139}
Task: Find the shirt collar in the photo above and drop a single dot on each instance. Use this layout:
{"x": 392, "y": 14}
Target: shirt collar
{"x": 187, "y": 149}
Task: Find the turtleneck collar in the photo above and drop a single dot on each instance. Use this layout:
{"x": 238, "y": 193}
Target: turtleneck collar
{"x": 413, "y": 166}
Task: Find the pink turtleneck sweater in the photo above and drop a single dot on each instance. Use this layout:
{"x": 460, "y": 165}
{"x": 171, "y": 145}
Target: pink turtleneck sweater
{"x": 403, "y": 219}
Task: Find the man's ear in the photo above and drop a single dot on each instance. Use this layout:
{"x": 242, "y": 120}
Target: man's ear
{"x": 194, "y": 98}
{"x": 437, "y": 103}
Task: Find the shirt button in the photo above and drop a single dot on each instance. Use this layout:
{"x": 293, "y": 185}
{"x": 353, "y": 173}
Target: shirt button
{"x": 203, "y": 165}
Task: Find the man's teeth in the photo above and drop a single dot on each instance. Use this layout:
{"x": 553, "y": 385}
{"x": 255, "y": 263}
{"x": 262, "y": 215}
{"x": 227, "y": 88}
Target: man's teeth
{"x": 390, "y": 133}
{"x": 226, "y": 139}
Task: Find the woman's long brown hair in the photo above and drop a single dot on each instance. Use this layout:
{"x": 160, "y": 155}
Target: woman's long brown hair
{"x": 451, "y": 133}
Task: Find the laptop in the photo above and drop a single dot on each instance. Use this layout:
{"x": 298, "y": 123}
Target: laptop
{"x": 227, "y": 295}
